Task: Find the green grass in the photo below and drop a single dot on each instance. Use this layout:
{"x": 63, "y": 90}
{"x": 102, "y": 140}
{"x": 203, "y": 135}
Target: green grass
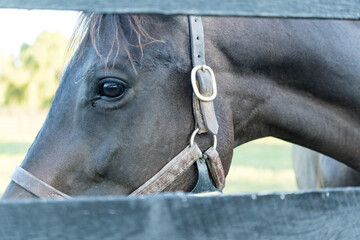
{"x": 14, "y": 148}
{"x": 258, "y": 166}
{"x": 254, "y": 186}
{"x": 11, "y": 154}
{"x": 263, "y": 156}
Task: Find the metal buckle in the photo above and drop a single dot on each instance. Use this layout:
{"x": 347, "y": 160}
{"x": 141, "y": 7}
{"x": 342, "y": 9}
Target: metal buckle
{"x": 192, "y": 138}
{"x": 195, "y": 87}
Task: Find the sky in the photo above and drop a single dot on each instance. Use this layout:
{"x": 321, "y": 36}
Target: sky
{"x": 23, "y": 26}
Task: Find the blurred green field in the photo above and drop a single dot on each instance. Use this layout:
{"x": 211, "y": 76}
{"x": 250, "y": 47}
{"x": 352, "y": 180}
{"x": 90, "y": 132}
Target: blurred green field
{"x": 262, "y": 165}
{"x": 257, "y": 166}
{"x": 13, "y": 148}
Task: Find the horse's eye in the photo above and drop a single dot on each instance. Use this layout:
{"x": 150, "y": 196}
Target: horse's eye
{"x": 112, "y": 89}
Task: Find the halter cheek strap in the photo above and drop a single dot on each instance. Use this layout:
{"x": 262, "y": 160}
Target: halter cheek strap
{"x": 203, "y": 81}
{"x": 204, "y": 86}
{"x": 205, "y": 91}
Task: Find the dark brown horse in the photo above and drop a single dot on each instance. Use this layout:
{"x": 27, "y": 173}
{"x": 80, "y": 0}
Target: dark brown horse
{"x": 123, "y": 108}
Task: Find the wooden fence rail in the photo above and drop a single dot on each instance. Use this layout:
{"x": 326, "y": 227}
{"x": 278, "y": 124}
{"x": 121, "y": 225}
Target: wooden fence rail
{"x": 344, "y": 9}
{"x": 323, "y": 214}
{"x": 320, "y": 214}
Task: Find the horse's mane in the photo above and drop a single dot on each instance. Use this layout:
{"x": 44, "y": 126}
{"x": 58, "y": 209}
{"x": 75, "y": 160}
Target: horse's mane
{"x": 88, "y": 28}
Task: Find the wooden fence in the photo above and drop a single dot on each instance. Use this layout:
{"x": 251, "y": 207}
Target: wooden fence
{"x": 344, "y": 9}
{"x": 321, "y": 214}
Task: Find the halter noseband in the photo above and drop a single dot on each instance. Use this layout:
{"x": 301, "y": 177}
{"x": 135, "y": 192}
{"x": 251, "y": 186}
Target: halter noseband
{"x": 204, "y": 92}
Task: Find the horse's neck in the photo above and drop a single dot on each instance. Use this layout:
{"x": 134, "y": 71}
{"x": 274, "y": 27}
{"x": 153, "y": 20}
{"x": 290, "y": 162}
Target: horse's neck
{"x": 285, "y": 82}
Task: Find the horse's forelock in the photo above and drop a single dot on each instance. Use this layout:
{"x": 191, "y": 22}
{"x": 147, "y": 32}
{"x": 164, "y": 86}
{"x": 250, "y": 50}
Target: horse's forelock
{"x": 88, "y": 29}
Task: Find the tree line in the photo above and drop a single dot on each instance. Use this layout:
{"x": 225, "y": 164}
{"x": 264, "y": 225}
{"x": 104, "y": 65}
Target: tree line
{"x": 31, "y": 79}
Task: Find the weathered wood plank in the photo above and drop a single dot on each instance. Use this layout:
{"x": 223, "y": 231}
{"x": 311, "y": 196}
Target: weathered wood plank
{"x": 332, "y": 214}
{"x": 345, "y": 9}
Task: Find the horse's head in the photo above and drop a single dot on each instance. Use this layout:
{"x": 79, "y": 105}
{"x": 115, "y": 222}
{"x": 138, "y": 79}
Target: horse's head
{"x": 122, "y": 111}
{"x": 124, "y": 105}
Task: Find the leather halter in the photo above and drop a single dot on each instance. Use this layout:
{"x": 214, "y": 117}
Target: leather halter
{"x": 204, "y": 86}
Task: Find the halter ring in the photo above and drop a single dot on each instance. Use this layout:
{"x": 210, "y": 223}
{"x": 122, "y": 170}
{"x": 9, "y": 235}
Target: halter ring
{"x": 192, "y": 138}
{"x": 195, "y": 87}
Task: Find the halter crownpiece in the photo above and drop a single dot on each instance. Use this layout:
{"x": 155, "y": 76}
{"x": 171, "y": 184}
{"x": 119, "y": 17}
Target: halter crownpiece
{"x": 205, "y": 91}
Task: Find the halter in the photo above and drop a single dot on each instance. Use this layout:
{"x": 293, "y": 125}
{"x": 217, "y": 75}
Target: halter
{"x": 204, "y": 92}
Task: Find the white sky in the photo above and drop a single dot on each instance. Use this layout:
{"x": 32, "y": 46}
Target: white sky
{"x": 23, "y": 26}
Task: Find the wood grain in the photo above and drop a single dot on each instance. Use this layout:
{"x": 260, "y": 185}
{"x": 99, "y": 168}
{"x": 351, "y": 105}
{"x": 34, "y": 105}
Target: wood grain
{"x": 324, "y": 214}
{"x": 344, "y": 9}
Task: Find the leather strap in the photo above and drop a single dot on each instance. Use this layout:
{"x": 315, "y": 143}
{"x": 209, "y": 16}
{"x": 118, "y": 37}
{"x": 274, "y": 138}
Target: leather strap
{"x": 170, "y": 171}
{"x": 215, "y": 167}
{"x": 167, "y": 175}
{"x": 204, "y": 112}
{"x": 35, "y": 185}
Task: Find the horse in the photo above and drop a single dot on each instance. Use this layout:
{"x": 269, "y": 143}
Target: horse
{"x": 315, "y": 170}
{"x": 123, "y": 107}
